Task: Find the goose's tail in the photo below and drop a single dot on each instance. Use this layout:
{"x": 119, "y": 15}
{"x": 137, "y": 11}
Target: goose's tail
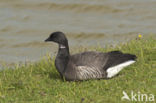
{"x": 117, "y": 61}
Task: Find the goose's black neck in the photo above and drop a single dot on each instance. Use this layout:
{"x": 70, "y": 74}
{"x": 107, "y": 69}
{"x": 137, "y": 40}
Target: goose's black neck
{"x": 62, "y": 58}
{"x": 63, "y": 49}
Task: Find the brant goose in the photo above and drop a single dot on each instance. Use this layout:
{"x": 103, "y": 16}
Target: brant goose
{"x": 87, "y": 65}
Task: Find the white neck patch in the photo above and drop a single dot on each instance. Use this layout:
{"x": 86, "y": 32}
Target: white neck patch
{"x": 62, "y": 46}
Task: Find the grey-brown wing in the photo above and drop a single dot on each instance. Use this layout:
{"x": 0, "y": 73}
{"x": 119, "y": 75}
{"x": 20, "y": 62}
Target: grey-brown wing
{"x": 87, "y": 65}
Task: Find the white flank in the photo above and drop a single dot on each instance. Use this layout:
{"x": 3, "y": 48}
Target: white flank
{"x": 86, "y": 72}
{"x": 112, "y": 71}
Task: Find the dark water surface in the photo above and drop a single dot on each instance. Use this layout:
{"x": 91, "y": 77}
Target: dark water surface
{"x": 25, "y": 24}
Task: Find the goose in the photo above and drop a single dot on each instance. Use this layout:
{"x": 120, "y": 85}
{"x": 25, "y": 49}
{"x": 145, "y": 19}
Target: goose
{"x": 87, "y": 65}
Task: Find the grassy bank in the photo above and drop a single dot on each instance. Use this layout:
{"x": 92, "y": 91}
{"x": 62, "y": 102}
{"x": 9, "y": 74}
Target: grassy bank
{"x": 40, "y": 82}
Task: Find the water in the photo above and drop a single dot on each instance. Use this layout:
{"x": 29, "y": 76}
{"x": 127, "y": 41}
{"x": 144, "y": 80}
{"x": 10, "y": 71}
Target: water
{"x": 25, "y": 24}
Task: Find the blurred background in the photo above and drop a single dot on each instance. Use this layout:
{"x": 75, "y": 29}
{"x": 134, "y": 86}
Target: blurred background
{"x": 25, "y": 24}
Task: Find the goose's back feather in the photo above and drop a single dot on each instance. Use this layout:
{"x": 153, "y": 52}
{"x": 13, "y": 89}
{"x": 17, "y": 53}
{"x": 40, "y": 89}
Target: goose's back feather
{"x": 90, "y": 58}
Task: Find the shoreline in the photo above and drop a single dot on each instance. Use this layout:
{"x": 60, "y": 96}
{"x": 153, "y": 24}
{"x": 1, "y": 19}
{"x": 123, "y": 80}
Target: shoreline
{"x": 40, "y": 82}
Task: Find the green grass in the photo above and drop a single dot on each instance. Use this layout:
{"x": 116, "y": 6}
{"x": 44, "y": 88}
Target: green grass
{"x": 41, "y": 83}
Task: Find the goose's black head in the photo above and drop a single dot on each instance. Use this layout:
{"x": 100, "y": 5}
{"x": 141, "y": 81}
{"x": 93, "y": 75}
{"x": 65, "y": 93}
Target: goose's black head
{"x": 57, "y": 37}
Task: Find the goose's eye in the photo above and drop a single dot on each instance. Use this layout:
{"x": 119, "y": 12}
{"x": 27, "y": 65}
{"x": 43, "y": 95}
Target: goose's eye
{"x": 54, "y": 36}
